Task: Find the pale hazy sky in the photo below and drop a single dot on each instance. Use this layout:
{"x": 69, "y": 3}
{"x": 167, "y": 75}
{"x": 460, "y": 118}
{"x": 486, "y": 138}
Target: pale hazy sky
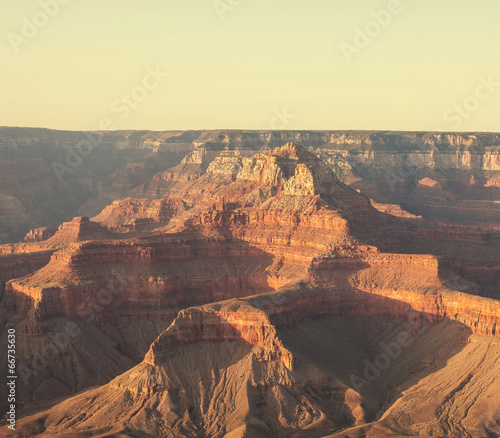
{"x": 244, "y": 66}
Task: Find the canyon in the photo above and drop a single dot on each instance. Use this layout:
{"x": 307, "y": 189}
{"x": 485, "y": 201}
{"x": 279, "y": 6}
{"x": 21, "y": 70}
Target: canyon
{"x": 45, "y": 181}
{"x": 253, "y": 284}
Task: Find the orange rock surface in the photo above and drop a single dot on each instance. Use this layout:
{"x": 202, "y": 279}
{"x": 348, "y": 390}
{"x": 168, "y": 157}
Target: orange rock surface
{"x": 259, "y": 261}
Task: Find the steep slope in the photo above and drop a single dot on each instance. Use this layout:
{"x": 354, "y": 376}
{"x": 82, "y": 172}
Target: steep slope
{"x": 19, "y": 259}
{"x": 48, "y": 177}
{"x": 271, "y": 370}
{"x": 279, "y": 213}
{"x": 198, "y": 261}
{"x": 306, "y": 310}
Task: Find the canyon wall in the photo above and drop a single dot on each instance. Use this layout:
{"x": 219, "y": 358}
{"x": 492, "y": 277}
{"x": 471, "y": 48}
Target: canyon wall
{"x": 258, "y": 320}
{"x": 40, "y": 234}
{"x": 19, "y": 265}
{"x": 262, "y": 243}
{"x": 48, "y": 177}
{"x": 175, "y": 272}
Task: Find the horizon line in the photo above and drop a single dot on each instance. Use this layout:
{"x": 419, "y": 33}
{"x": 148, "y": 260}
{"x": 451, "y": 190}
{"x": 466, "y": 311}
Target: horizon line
{"x": 251, "y": 130}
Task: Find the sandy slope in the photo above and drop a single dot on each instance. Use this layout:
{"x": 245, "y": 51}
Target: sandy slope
{"x": 435, "y": 388}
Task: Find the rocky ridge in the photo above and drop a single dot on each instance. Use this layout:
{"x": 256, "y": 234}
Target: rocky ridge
{"x": 384, "y": 165}
{"x": 263, "y": 246}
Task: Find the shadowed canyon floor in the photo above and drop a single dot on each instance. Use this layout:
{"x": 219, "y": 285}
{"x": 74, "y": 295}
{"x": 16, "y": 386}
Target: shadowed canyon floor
{"x": 243, "y": 294}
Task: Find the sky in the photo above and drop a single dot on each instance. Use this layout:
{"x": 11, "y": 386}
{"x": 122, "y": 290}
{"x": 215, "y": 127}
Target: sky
{"x": 412, "y": 65}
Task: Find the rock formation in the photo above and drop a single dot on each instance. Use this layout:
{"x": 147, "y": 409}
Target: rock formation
{"x": 135, "y": 215}
{"x": 314, "y": 313}
{"x": 386, "y": 166}
{"x": 40, "y": 234}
